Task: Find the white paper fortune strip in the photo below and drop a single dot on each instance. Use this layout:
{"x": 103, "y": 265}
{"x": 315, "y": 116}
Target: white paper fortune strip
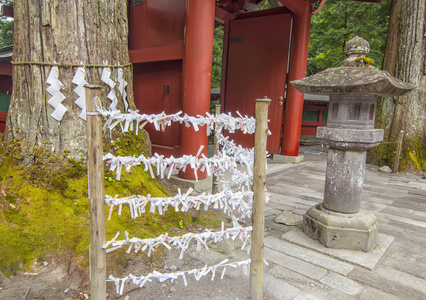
{"x": 181, "y": 242}
{"x": 105, "y": 77}
{"x": 121, "y": 87}
{"x": 79, "y": 80}
{"x": 161, "y": 121}
{"x": 226, "y": 200}
{"x": 197, "y": 162}
{"x": 161, "y": 277}
{"x": 57, "y": 97}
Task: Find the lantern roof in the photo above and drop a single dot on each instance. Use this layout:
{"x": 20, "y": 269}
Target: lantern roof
{"x": 354, "y": 76}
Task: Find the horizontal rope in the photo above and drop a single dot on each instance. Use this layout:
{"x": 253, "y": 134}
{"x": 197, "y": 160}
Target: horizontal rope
{"x": 68, "y": 65}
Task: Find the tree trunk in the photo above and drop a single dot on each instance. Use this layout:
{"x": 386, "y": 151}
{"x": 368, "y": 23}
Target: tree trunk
{"x": 68, "y": 33}
{"x": 405, "y": 59}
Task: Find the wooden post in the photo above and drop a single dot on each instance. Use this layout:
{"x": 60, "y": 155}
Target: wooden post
{"x": 215, "y": 186}
{"x": 259, "y": 185}
{"x": 398, "y": 150}
{"x": 96, "y": 195}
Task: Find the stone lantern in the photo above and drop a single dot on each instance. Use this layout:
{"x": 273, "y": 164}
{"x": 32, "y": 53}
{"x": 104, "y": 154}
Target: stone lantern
{"x": 353, "y": 88}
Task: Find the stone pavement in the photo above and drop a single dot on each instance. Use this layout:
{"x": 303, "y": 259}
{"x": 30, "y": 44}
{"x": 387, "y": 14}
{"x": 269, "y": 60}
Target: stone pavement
{"x": 300, "y": 268}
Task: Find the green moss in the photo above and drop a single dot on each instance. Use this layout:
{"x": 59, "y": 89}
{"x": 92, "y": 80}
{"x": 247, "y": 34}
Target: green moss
{"x": 127, "y": 143}
{"x": 44, "y": 209}
{"x": 366, "y": 60}
{"x": 214, "y": 219}
{"x": 413, "y": 156}
{"x": 36, "y": 221}
{"x": 384, "y": 154}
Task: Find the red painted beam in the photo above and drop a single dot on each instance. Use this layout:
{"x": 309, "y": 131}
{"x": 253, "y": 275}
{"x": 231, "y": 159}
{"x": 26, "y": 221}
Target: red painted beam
{"x": 5, "y": 68}
{"x": 197, "y": 69}
{"x": 222, "y": 15}
{"x": 161, "y": 53}
{"x": 297, "y": 6}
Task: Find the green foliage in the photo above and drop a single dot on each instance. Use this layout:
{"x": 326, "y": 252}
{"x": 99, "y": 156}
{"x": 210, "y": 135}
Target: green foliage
{"x": 6, "y": 27}
{"x": 217, "y": 57}
{"x": 338, "y": 22}
{"x": 267, "y": 4}
{"x": 6, "y": 32}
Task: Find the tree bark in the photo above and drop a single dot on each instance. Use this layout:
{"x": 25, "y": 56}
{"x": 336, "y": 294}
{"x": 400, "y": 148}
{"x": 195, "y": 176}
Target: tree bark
{"x": 67, "y": 33}
{"x": 405, "y": 59}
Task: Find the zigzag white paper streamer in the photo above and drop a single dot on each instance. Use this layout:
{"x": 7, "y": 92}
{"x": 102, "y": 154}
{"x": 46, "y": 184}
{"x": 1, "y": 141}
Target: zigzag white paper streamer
{"x": 105, "y": 77}
{"x": 78, "y": 79}
{"x": 121, "y": 87}
{"x": 57, "y": 97}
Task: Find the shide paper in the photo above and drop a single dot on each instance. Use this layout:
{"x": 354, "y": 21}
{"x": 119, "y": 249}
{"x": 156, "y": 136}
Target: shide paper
{"x": 57, "y": 97}
{"x": 105, "y": 77}
{"x": 79, "y": 80}
{"x": 121, "y": 87}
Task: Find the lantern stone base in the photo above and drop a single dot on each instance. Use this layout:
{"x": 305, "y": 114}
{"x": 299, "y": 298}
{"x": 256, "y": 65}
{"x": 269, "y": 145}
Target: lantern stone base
{"x": 356, "y": 231}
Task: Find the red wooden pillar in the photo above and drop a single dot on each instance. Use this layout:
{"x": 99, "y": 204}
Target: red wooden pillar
{"x": 197, "y": 69}
{"x": 298, "y": 64}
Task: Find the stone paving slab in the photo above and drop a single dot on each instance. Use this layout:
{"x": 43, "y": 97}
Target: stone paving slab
{"x": 385, "y": 284}
{"x": 305, "y": 284}
{"x": 296, "y": 265}
{"x": 421, "y": 192}
{"x": 279, "y": 288}
{"x": 405, "y": 220}
{"x": 367, "y": 260}
{"x": 14, "y": 294}
{"x": 300, "y": 190}
{"x": 370, "y": 293}
{"x": 342, "y": 284}
{"x": 308, "y": 255}
{"x": 290, "y": 199}
{"x": 409, "y": 280}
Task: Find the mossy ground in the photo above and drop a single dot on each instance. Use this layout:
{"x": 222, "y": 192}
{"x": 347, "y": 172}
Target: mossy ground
{"x": 413, "y": 156}
{"x": 44, "y": 209}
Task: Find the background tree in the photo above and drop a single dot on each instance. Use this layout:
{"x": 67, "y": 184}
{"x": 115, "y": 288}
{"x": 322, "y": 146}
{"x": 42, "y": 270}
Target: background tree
{"x": 6, "y": 27}
{"x": 405, "y": 59}
{"x": 338, "y": 22}
{"x": 68, "y": 33}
